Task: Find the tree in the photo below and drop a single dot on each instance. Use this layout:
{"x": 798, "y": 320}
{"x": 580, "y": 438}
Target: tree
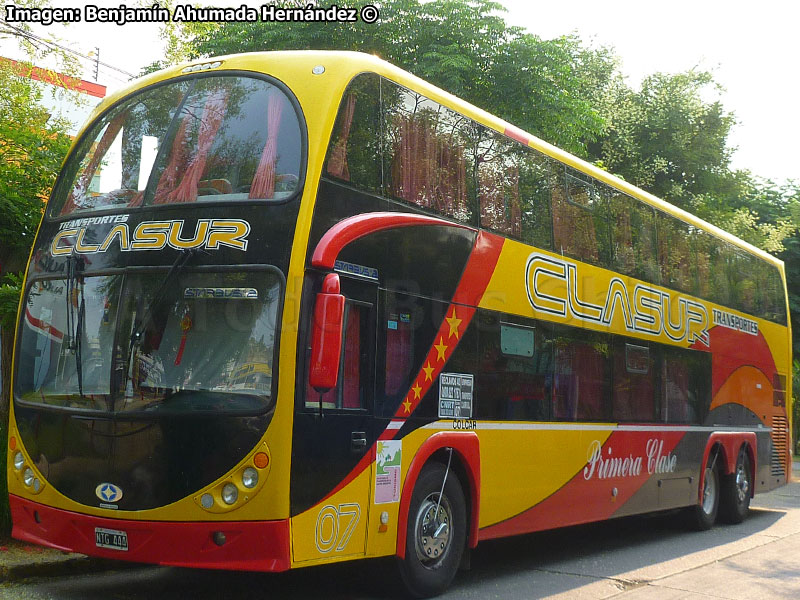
{"x": 32, "y": 142}
{"x": 32, "y": 147}
{"x": 667, "y": 139}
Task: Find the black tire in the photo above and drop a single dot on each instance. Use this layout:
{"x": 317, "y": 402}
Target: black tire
{"x": 735, "y": 490}
{"x": 703, "y": 515}
{"x": 431, "y": 561}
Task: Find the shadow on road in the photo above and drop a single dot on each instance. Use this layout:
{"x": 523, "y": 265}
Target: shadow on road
{"x": 565, "y": 559}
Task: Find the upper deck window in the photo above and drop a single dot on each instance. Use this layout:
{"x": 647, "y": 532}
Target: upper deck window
{"x": 198, "y": 140}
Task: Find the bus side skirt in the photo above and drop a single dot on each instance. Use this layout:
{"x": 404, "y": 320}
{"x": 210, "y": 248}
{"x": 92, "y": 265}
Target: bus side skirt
{"x": 466, "y": 449}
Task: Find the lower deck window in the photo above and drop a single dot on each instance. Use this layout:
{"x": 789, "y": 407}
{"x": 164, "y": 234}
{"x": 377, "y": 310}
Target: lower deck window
{"x": 581, "y": 380}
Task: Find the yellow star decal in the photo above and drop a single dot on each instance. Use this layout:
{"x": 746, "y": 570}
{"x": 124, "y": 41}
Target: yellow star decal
{"x": 441, "y": 348}
{"x": 428, "y": 371}
{"x": 454, "y": 324}
{"x": 416, "y": 389}
{"x": 407, "y": 406}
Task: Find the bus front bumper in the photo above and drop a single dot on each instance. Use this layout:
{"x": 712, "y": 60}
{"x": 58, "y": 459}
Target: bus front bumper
{"x": 234, "y": 545}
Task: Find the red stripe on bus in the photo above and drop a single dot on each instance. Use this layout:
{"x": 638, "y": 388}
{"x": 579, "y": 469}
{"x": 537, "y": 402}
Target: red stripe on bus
{"x": 517, "y": 134}
{"x": 479, "y": 270}
{"x": 595, "y": 493}
{"x": 474, "y": 281}
{"x": 248, "y": 545}
{"x": 457, "y": 319}
{"x": 349, "y": 230}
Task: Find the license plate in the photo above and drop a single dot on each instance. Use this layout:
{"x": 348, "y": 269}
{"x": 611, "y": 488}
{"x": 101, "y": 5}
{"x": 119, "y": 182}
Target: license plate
{"x": 111, "y": 538}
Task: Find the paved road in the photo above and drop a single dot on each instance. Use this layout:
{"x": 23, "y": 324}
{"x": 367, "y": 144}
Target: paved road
{"x": 631, "y": 559}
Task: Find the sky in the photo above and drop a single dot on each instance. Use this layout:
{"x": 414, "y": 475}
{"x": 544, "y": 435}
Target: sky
{"x": 751, "y": 48}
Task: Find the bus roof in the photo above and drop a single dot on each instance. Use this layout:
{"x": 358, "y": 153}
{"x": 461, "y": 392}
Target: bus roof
{"x": 347, "y": 64}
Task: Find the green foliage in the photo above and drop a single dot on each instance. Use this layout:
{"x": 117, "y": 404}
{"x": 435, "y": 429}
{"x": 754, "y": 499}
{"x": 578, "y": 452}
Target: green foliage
{"x": 746, "y": 224}
{"x": 10, "y": 288}
{"x": 671, "y": 140}
{"x": 32, "y": 148}
{"x": 32, "y": 142}
{"x": 666, "y": 138}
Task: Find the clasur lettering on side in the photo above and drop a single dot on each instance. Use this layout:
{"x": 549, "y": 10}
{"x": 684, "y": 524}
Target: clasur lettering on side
{"x": 552, "y": 287}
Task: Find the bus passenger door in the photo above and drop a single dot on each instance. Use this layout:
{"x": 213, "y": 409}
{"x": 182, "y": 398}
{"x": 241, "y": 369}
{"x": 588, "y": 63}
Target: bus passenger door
{"x": 333, "y": 433}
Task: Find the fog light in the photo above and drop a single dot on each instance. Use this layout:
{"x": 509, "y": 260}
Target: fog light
{"x": 250, "y": 477}
{"x": 19, "y": 461}
{"x": 206, "y": 501}
{"x": 27, "y": 477}
{"x": 230, "y": 493}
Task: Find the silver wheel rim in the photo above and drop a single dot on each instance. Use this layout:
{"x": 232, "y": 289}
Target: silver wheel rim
{"x": 432, "y": 530}
{"x": 742, "y": 482}
{"x": 709, "y": 491}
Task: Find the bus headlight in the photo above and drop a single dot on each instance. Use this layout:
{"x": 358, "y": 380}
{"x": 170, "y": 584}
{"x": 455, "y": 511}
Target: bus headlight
{"x": 250, "y": 478}
{"x": 19, "y": 460}
{"x": 230, "y": 493}
{"x": 207, "y": 501}
{"x": 27, "y": 477}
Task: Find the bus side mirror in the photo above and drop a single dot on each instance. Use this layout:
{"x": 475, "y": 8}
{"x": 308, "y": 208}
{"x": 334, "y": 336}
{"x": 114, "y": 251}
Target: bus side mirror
{"x": 326, "y": 336}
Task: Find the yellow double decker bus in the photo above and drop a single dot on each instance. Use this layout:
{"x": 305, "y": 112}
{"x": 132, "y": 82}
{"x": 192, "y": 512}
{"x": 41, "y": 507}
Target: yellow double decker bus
{"x": 294, "y": 308}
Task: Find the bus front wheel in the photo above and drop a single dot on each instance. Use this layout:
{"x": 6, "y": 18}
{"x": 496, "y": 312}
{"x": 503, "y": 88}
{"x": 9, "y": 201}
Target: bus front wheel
{"x": 735, "y": 491}
{"x": 435, "y": 534}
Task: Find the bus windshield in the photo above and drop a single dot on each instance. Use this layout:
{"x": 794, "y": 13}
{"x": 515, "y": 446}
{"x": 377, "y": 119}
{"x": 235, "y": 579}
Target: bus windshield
{"x": 193, "y": 140}
{"x": 125, "y": 343}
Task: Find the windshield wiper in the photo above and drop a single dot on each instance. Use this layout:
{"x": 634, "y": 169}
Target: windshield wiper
{"x": 75, "y": 278}
{"x": 141, "y": 324}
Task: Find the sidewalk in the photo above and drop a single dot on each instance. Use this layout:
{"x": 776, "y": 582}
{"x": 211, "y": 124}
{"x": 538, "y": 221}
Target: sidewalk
{"x": 20, "y": 561}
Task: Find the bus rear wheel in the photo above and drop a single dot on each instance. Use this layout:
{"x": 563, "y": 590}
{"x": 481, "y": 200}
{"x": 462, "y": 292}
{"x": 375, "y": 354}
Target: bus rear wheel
{"x": 435, "y": 534}
{"x": 703, "y": 515}
{"x": 736, "y": 488}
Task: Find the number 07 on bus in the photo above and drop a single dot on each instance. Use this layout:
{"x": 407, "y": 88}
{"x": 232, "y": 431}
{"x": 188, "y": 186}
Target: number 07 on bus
{"x": 294, "y": 308}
